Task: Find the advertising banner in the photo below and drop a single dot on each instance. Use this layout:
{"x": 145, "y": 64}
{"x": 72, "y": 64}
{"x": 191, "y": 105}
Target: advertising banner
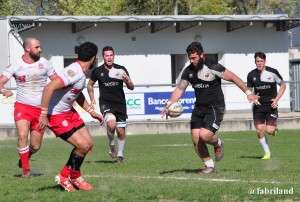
{"x": 141, "y": 106}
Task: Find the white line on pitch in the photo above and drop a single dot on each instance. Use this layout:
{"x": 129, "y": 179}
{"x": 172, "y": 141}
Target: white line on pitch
{"x": 185, "y": 178}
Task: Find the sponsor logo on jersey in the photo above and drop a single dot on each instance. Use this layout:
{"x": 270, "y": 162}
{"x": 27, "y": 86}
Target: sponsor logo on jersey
{"x": 102, "y": 74}
{"x": 71, "y": 73}
{"x": 111, "y": 83}
{"x": 201, "y": 85}
{"x": 263, "y": 87}
{"x": 190, "y": 76}
{"x": 254, "y": 78}
{"x": 21, "y": 78}
{"x": 206, "y": 75}
{"x": 269, "y": 77}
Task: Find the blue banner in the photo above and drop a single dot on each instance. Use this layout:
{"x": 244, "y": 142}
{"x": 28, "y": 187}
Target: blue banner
{"x": 155, "y": 101}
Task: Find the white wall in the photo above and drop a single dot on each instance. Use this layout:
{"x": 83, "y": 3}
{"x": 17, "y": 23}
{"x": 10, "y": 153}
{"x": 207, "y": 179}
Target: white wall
{"x": 146, "y": 55}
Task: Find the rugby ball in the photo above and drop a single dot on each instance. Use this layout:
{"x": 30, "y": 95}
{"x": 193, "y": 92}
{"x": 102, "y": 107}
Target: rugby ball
{"x": 174, "y": 109}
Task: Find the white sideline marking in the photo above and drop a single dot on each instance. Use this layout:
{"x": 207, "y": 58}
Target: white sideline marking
{"x": 185, "y": 178}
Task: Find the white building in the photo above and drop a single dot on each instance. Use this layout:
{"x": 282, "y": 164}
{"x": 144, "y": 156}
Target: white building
{"x": 152, "y": 48}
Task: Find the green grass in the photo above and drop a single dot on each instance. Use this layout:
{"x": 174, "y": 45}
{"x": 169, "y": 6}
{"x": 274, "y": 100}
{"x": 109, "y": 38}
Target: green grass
{"x": 159, "y": 168}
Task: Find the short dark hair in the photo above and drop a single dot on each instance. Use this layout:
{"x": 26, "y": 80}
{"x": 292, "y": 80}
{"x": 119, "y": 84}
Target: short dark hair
{"x": 194, "y": 47}
{"x": 107, "y": 48}
{"x": 260, "y": 55}
{"x": 86, "y": 51}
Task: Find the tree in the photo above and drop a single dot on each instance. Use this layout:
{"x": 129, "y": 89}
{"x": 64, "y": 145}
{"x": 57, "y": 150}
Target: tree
{"x": 14, "y": 7}
{"x": 146, "y": 7}
{"x": 154, "y": 7}
{"x": 264, "y": 7}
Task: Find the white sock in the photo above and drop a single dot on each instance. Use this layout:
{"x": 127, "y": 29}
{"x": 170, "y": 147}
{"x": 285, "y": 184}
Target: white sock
{"x": 210, "y": 163}
{"x": 264, "y": 143}
{"x": 121, "y": 145}
{"x": 111, "y": 138}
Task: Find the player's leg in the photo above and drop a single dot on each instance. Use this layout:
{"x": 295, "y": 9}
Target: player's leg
{"x": 36, "y": 139}
{"x": 200, "y": 146}
{"x": 111, "y": 125}
{"x": 259, "y": 123}
{"x": 211, "y": 124}
{"x": 23, "y": 147}
{"x": 36, "y": 135}
{"x": 202, "y": 151}
{"x": 271, "y": 122}
{"x": 82, "y": 143}
{"x": 121, "y": 141}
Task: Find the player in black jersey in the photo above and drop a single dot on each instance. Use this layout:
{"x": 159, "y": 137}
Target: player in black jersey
{"x": 264, "y": 80}
{"x": 205, "y": 77}
{"x": 112, "y": 102}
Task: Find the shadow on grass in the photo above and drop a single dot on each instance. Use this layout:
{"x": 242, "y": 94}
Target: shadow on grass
{"x": 31, "y": 175}
{"x": 102, "y": 161}
{"x": 180, "y": 170}
{"x": 250, "y": 157}
{"x": 54, "y": 187}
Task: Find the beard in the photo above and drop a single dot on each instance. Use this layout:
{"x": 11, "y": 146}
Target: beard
{"x": 200, "y": 64}
{"x": 35, "y": 57}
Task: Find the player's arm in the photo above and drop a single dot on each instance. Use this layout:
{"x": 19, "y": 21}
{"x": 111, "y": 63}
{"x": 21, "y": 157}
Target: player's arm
{"x": 176, "y": 95}
{"x": 179, "y": 90}
{"x": 3, "y": 91}
{"x": 85, "y": 105}
{"x": 90, "y": 90}
{"x": 128, "y": 82}
{"x": 48, "y": 91}
{"x": 279, "y": 95}
{"x": 230, "y": 76}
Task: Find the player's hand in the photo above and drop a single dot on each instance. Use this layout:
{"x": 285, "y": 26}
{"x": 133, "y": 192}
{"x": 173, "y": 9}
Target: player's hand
{"x": 98, "y": 117}
{"x": 164, "y": 110}
{"x": 274, "y": 104}
{"x": 7, "y": 93}
{"x": 253, "y": 99}
{"x": 126, "y": 78}
{"x": 43, "y": 122}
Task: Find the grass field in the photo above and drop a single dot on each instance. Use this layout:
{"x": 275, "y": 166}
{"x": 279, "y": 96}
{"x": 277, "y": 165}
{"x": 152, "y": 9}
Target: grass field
{"x": 161, "y": 168}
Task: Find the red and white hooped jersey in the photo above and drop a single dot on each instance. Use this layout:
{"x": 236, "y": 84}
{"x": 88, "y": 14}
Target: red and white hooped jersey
{"x": 31, "y": 79}
{"x": 74, "y": 80}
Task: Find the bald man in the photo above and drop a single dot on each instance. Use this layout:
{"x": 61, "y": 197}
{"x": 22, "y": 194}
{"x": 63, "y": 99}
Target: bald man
{"x": 30, "y": 72}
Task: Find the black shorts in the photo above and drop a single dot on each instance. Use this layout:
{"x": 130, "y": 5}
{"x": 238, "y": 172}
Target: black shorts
{"x": 119, "y": 111}
{"x": 265, "y": 114}
{"x": 207, "y": 117}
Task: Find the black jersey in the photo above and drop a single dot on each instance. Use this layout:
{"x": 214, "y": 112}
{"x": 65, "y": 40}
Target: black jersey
{"x": 206, "y": 83}
{"x": 110, "y": 84}
{"x": 265, "y": 84}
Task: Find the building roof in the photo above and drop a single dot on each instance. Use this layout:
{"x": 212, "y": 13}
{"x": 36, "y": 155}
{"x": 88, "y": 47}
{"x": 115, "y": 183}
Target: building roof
{"x": 157, "y": 23}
